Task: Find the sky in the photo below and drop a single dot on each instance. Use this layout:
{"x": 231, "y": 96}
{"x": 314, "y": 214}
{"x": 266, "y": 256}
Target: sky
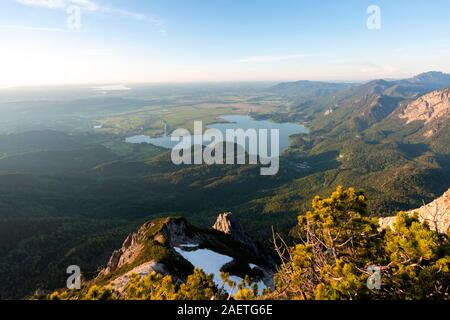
{"x": 161, "y": 41}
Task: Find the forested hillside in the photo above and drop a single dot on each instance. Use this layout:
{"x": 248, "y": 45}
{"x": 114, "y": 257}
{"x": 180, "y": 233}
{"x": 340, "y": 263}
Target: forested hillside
{"x": 70, "y": 197}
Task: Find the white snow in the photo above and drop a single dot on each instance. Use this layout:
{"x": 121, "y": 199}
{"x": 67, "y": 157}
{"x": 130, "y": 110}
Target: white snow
{"x": 211, "y": 262}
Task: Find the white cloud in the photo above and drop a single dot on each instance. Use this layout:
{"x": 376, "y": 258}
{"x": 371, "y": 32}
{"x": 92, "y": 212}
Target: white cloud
{"x": 158, "y": 23}
{"x": 85, "y": 4}
{"x": 60, "y": 4}
{"x": 122, "y": 12}
{"x": 93, "y": 6}
{"x": 28, "y": 28}
{"x": 51, "y": 4}
{"x": 259, "y": 59}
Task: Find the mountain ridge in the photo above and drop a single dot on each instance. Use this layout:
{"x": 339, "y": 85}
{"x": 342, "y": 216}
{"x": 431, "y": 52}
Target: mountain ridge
{"x": 157, "y": 247}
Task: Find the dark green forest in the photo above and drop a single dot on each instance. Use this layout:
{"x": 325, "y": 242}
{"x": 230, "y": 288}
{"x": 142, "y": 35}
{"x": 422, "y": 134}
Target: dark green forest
{"x": 70, "y": 197}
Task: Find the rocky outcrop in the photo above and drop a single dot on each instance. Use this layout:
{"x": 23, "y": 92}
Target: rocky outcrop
{"x": 171, "y": 230}
{"x": 157, "y": 247}
{"x": 228, "y": 224}
{"x": 436, "y": 215}
{"x": 433, "y": 109}
{"x": 119, "y": 284}
{"x": 129, "y": 251}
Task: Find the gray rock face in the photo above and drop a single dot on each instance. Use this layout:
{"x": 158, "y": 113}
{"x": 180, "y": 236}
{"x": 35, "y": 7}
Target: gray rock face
{"x": 119, "y": 284}
{"x": 130, "y": 249}
{"x": 228, "y": 224}
{"x": 433, "y": 109}
{"x": 173, "y": 231}
{"x": 436, "y": 215}
{"x": 176, "y": 233}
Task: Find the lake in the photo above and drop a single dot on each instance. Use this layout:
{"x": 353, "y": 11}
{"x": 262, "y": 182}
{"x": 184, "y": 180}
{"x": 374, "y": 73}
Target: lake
{"x": 232, "y": 122}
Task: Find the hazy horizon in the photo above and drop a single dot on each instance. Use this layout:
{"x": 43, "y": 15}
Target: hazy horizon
{"x": 97, "y": 85}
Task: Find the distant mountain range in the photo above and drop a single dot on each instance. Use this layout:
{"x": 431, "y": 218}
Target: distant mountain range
{"x": 421, "y": 83}
{"x": 307, "y": 88}
{"x": 362, "y": 106}
{"x": 433, "y": 77}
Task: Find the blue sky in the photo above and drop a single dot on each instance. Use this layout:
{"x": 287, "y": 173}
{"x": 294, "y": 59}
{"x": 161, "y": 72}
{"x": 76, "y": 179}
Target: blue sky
{"x": 219, "y": 40}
